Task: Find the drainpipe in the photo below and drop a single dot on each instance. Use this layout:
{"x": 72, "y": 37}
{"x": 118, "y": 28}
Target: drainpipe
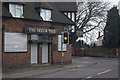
{"x": 52, "y": 51}
{"x": 2, "y": 44}
{"x": 52, "y": 44}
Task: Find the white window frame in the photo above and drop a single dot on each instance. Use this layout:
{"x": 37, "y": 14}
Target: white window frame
{"x": 16, "y": 7}
{"x": 73, "y": 28}
{"x": 73, "y": 17}
{"x": 69, "y": 14}
{"x": 45, "y": 14}
{"x": 65, "y": 13}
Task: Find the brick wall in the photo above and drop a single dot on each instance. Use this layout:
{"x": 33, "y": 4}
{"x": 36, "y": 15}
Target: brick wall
{"x": 23, "y": 59}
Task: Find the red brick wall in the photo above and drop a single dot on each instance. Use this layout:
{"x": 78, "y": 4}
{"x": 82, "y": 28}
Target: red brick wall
{"x": 23, "y": 59}
{"x": 76, "y": 51}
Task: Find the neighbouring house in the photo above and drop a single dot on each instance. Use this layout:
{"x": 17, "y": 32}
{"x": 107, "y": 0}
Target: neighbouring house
{"x": 32, "y": 34}
{"x": 69, "y": 11}
{"x": 99, "y": 41}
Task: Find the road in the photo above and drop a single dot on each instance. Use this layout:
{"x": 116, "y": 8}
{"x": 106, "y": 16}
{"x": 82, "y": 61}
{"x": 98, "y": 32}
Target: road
{"x": 104, "y": 68}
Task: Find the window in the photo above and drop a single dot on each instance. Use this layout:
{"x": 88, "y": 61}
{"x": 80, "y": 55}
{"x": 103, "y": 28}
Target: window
{"x": 69, "y": 15}
{"x": 45, "y": 14}
{"x": 45, "y": 37}
{"x": 15, "y": 42}
{"x": 64, "y": 46}
{"x": 73, "y": 17}
{"x": 34, "y": 37}
{"x": 65, "y": 13}
{"x": 16, "y": 10}
{"x": 73, "y": 28}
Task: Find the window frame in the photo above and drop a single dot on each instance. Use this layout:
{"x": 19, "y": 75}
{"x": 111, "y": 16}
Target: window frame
{"x": 15, "y": 43}
{"x": 16, "y": 7}
{"x": 50, "y": 19}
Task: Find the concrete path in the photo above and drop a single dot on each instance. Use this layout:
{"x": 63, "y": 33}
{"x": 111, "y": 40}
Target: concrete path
{"x": 46, "y": 69}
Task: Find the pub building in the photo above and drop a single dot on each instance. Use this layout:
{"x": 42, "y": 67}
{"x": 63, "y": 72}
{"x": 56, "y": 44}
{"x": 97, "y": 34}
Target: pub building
{"x": 32, "y": 34}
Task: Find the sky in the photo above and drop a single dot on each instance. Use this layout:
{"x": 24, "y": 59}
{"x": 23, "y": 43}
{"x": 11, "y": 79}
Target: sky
{"x": 94, "y": 39}
{"x": 114, "y": 2}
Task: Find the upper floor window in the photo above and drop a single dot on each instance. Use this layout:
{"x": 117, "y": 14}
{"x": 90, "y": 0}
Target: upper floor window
{"x": 16, "y": 10}
{"x": 45, "y": 14}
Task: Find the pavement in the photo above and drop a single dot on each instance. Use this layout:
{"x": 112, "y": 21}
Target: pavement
{"x": 104, "y": 69}
{"x": 37, "y": 70}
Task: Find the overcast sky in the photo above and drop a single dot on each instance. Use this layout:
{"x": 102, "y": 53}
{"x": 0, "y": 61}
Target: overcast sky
{"x": 114, "y": 2}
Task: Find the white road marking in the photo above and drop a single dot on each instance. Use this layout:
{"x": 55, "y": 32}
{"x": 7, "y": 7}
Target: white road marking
{"x": 87, "y": 78}
{"x": 104, "y": 72}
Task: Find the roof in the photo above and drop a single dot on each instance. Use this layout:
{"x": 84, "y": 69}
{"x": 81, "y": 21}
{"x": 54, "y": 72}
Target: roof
{"x": 31, "y": 11}
{"x": 66, "y": 6}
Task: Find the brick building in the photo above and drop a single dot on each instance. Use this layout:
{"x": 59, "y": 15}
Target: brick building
{"x": 32, "y": 34}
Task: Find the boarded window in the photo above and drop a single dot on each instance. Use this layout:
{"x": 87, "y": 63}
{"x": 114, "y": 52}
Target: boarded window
{"x": 59, "y": 44}
{"x": 34, "y": 37}
{"x": 15, "y": 42}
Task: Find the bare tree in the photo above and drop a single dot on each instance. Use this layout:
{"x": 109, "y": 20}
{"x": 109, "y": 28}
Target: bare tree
{"x": 91, "y": 16}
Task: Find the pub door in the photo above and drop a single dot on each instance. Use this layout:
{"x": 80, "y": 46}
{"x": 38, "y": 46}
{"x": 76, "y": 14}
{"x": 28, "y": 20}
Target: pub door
{"x": 44, "y": 53}
{"x": 34, "y": 53}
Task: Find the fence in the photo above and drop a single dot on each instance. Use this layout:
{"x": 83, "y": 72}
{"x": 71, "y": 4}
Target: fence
{"x": 96, "y": 52}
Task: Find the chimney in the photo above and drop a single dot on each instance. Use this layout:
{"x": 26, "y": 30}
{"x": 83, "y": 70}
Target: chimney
{"x": 98, "y": 34}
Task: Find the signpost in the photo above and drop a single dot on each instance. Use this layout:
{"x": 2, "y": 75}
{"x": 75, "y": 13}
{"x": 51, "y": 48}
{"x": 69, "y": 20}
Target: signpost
{"x": 64, "y": 40}
{"x": 61, "y": 50}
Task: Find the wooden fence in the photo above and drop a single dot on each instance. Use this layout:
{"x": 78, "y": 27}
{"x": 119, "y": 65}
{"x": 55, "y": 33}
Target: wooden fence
{"x": 97, "y": 52}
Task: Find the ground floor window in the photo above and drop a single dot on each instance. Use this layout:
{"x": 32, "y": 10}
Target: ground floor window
{"x": 15, "y": 42}
{"x": 59, "y": 44}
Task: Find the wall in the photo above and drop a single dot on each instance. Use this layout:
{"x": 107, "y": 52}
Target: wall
{"x": 78, "y": 51}
{"x": 95, "y": 52}
{"x": 100, "y": 52}
{"x": 23, "y": 59}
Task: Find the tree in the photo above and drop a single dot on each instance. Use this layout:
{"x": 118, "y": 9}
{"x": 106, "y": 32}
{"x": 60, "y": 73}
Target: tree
{"x": 111, "y": 29}
{"x": 91, "y": 16}
{"x": 119, "y": 33}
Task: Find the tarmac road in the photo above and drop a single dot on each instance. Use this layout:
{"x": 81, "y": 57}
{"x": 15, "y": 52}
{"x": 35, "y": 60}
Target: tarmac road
{"x": 104, "y": 68}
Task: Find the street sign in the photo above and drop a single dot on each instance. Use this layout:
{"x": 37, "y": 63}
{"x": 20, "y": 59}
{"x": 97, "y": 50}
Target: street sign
{"x": 66, "y": 37}
{"x": 62, "y": 54}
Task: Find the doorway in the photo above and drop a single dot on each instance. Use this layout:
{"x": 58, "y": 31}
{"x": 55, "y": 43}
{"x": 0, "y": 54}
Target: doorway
{"x": 34, "y": 53}
{"x": 44, "y": 53}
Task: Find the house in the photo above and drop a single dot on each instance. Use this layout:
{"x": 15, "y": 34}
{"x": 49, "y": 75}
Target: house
{"x": 32, "y": 34}
{"x": 99, "y": 41}
{"x": 69, "y": 9}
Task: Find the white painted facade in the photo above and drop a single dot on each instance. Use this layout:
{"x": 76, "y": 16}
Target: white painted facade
{"x": 99, "y": 41}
